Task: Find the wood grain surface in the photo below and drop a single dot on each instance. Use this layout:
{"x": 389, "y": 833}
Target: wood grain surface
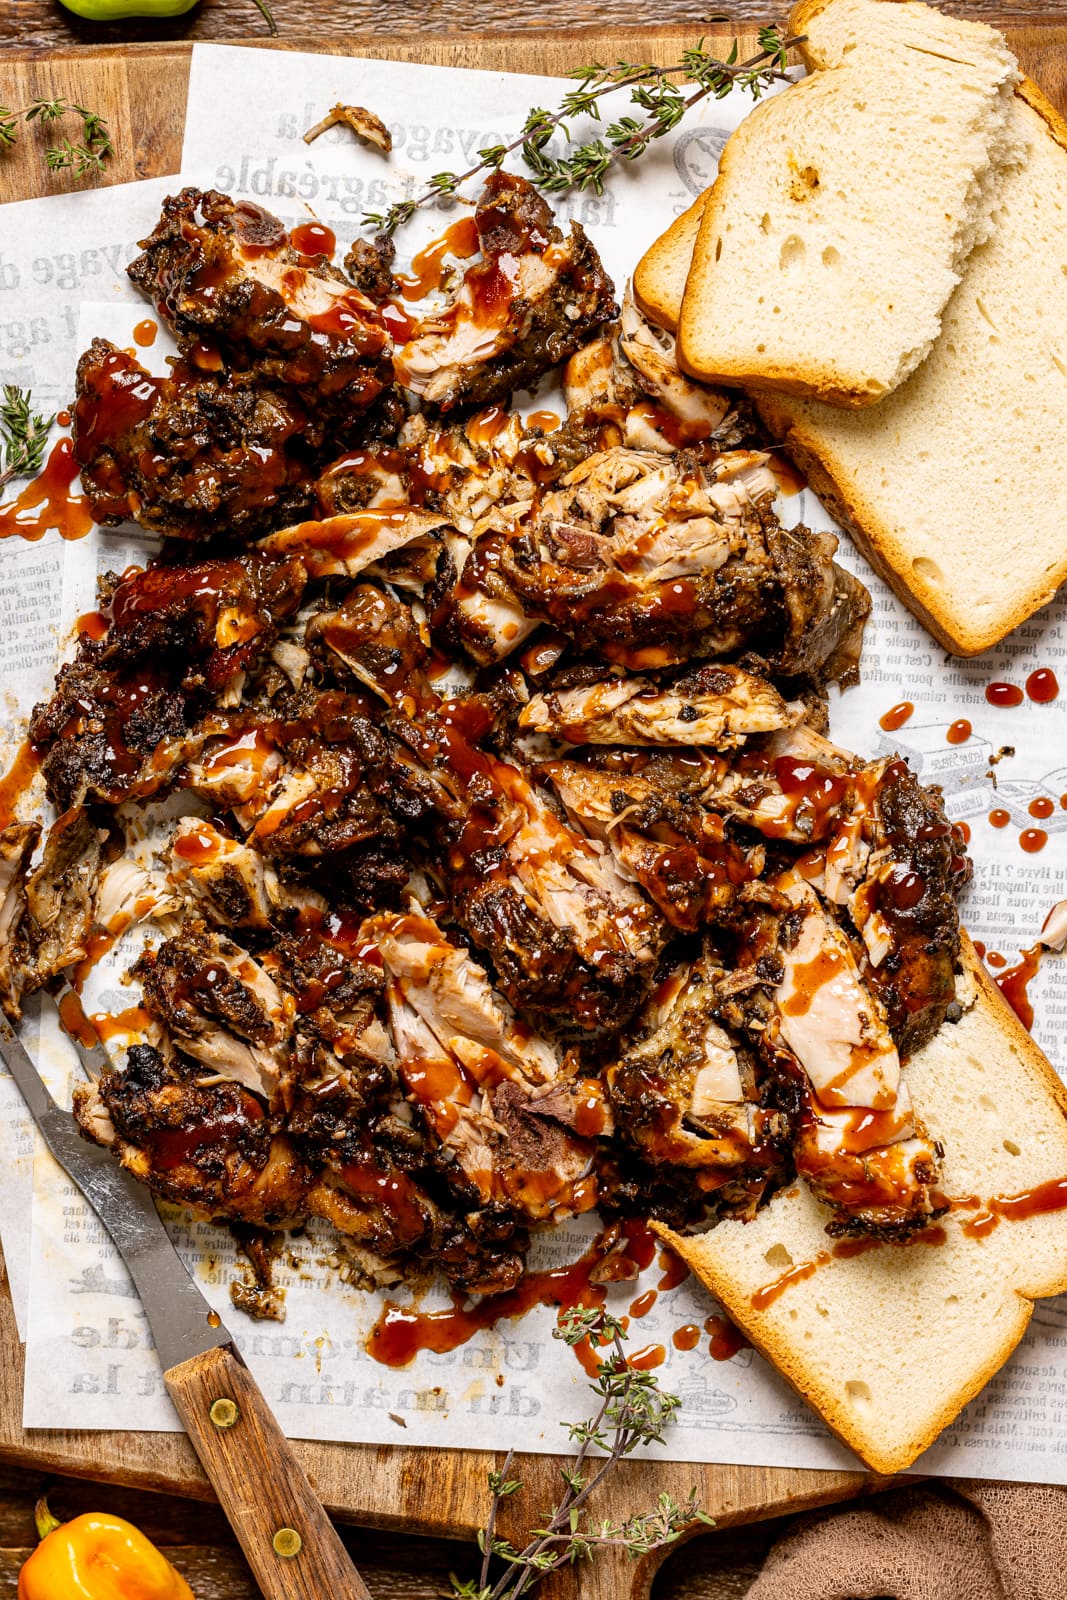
{"x": 287, "y": 1538}
{"x": 44, "y": 24}
{"x": 141, "y": 89}
{"x": 200, "y": 1543}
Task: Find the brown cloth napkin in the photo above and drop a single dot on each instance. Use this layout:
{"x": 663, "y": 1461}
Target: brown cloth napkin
{"x": 951, "y": 1540}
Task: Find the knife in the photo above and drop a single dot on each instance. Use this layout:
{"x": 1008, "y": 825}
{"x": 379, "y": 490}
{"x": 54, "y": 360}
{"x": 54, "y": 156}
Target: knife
{"x": 289, "y": 1541}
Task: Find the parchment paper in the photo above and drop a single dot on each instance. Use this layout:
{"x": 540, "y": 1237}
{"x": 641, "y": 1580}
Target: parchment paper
{"x": 89, "y": 1361}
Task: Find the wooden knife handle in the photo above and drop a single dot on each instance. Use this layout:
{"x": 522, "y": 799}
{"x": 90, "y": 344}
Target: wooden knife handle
{"x": 289, "y": 1541}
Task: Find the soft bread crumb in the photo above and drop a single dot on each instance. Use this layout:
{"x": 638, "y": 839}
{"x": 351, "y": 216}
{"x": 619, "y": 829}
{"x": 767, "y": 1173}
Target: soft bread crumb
{"x": 843, "y": 213}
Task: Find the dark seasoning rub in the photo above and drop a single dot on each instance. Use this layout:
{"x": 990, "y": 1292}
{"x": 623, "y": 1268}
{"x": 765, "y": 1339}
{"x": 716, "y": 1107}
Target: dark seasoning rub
{"x": 517, "y": 876}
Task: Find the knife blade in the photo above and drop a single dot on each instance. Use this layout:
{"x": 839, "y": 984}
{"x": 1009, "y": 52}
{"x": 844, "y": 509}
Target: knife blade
{"x": 289, "y": 1541}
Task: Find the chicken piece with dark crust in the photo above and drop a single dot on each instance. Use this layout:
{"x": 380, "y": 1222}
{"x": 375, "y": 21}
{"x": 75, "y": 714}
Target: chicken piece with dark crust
{"x": 652, "y": 561}
{"x": 685, "y": 1093}
{"x": 189, "y": 455}
{"x": 224, "y": 273}
{"x": 530, "y": 301}
{"x": 220, "y": 1006}
{"x": 212, "y": 1147}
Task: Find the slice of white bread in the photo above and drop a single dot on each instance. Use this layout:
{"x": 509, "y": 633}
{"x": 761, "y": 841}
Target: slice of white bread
{"x": 890, "y": 1344}
{"x": 845, "y": 208}
{"x": 953, "y": 487}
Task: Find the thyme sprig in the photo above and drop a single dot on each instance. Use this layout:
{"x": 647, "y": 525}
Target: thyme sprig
{"x": 652, "y": 90}
{"x": 84, "y": 158}
{"x": 633, "y": 1410}
{"x": 23, "y": 433}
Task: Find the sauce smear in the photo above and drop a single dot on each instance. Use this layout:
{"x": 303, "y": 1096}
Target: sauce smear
{"x": 16, "y": 781}
{"x": 428, "y": 268}
{"x": 1015, "y": 982}
{"x": 46, "y": 502}
{"x": 725, "y": 1339}
{"x": 401, "y": 1332}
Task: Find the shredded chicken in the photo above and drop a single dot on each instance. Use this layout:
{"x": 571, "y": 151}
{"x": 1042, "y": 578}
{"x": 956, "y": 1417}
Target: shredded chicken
{"x": 507, "y": 870}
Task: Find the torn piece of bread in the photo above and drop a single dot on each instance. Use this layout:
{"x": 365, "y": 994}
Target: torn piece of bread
{"x": 845, "y": 208}
{"x": 953, "y": 486}
{"x": 889, "y": 1342}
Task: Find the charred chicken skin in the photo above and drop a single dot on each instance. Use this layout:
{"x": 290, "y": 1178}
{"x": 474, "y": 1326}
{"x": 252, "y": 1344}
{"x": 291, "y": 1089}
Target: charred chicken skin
{"x": 517, "y": 874}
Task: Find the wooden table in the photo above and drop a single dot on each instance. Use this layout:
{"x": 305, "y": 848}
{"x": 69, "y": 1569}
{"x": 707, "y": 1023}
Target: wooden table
{"x": 719, "y": 1566}
{"x": 28, "y": 24}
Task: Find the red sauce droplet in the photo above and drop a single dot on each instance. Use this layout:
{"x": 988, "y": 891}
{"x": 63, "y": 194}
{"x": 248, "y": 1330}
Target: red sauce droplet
{"x": 397, "y": 321}
{"x": 896, "y": 716}
{"x": 1004, "y": 694}
{"x": 995, "y": 959}
{"x": 1014, "y": 984}
{"x": 644, "y": 1303}
{"x": 144, "y": 333}
{"x": 785, "y": 474}
{"x": 547, "y": 421}
{"x": 726, "y": 1339}
{"x": 460, "y": 241}
{"x": 979, "y": 949}
{"x": 959, "y": 732}
{"x": 313, "y": 239}
{"x": 640, "y": 1242}
{"x": 964, "y": 830}
{"x": 93, "y": 624}
{"x": 46, "y": 503}
{"x": 63, "y": 418}
{"x": 1032, "y": 840}
{"x": 673, "y": 1268}
{"x": 1042, "y": 686}
{"x": 1041, "y": 808}
{"x": 653, "y": 1355}
{"x": 16, "y": 781}
{"x": 687, "y": 1337}
{"x": 999, "y": 818}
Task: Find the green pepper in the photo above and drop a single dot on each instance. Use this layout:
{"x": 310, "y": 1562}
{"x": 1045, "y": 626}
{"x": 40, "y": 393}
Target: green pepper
{"x": 113, "y": 10}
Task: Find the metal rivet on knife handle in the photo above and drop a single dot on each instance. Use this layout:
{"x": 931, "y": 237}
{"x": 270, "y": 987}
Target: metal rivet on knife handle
{"x": 287, "y": 1542}
{"x": 224, "y": 1413}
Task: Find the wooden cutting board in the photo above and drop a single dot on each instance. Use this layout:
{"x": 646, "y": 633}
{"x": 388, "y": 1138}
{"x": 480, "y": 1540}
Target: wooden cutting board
{"x": 141, "y": 90}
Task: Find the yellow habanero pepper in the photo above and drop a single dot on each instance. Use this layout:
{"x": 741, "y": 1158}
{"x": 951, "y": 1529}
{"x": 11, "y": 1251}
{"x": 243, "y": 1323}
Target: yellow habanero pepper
{"x": 97, "y": 1557}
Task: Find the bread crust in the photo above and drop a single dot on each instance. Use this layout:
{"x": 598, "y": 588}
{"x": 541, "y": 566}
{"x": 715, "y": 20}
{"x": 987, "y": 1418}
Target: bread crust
{"x": 770, "y": 1337}
{"x": 664, "y": 266}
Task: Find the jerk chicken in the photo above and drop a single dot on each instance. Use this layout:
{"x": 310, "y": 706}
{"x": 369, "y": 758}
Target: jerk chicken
{"x": 507, "y": 869}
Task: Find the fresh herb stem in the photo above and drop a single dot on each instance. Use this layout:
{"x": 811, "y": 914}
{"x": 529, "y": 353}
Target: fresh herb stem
{"x": 633, "y": 1410}
{"x": 652, "y": 90}
{"x": 23, "y": 434}
{"x": 84, "y": 158}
